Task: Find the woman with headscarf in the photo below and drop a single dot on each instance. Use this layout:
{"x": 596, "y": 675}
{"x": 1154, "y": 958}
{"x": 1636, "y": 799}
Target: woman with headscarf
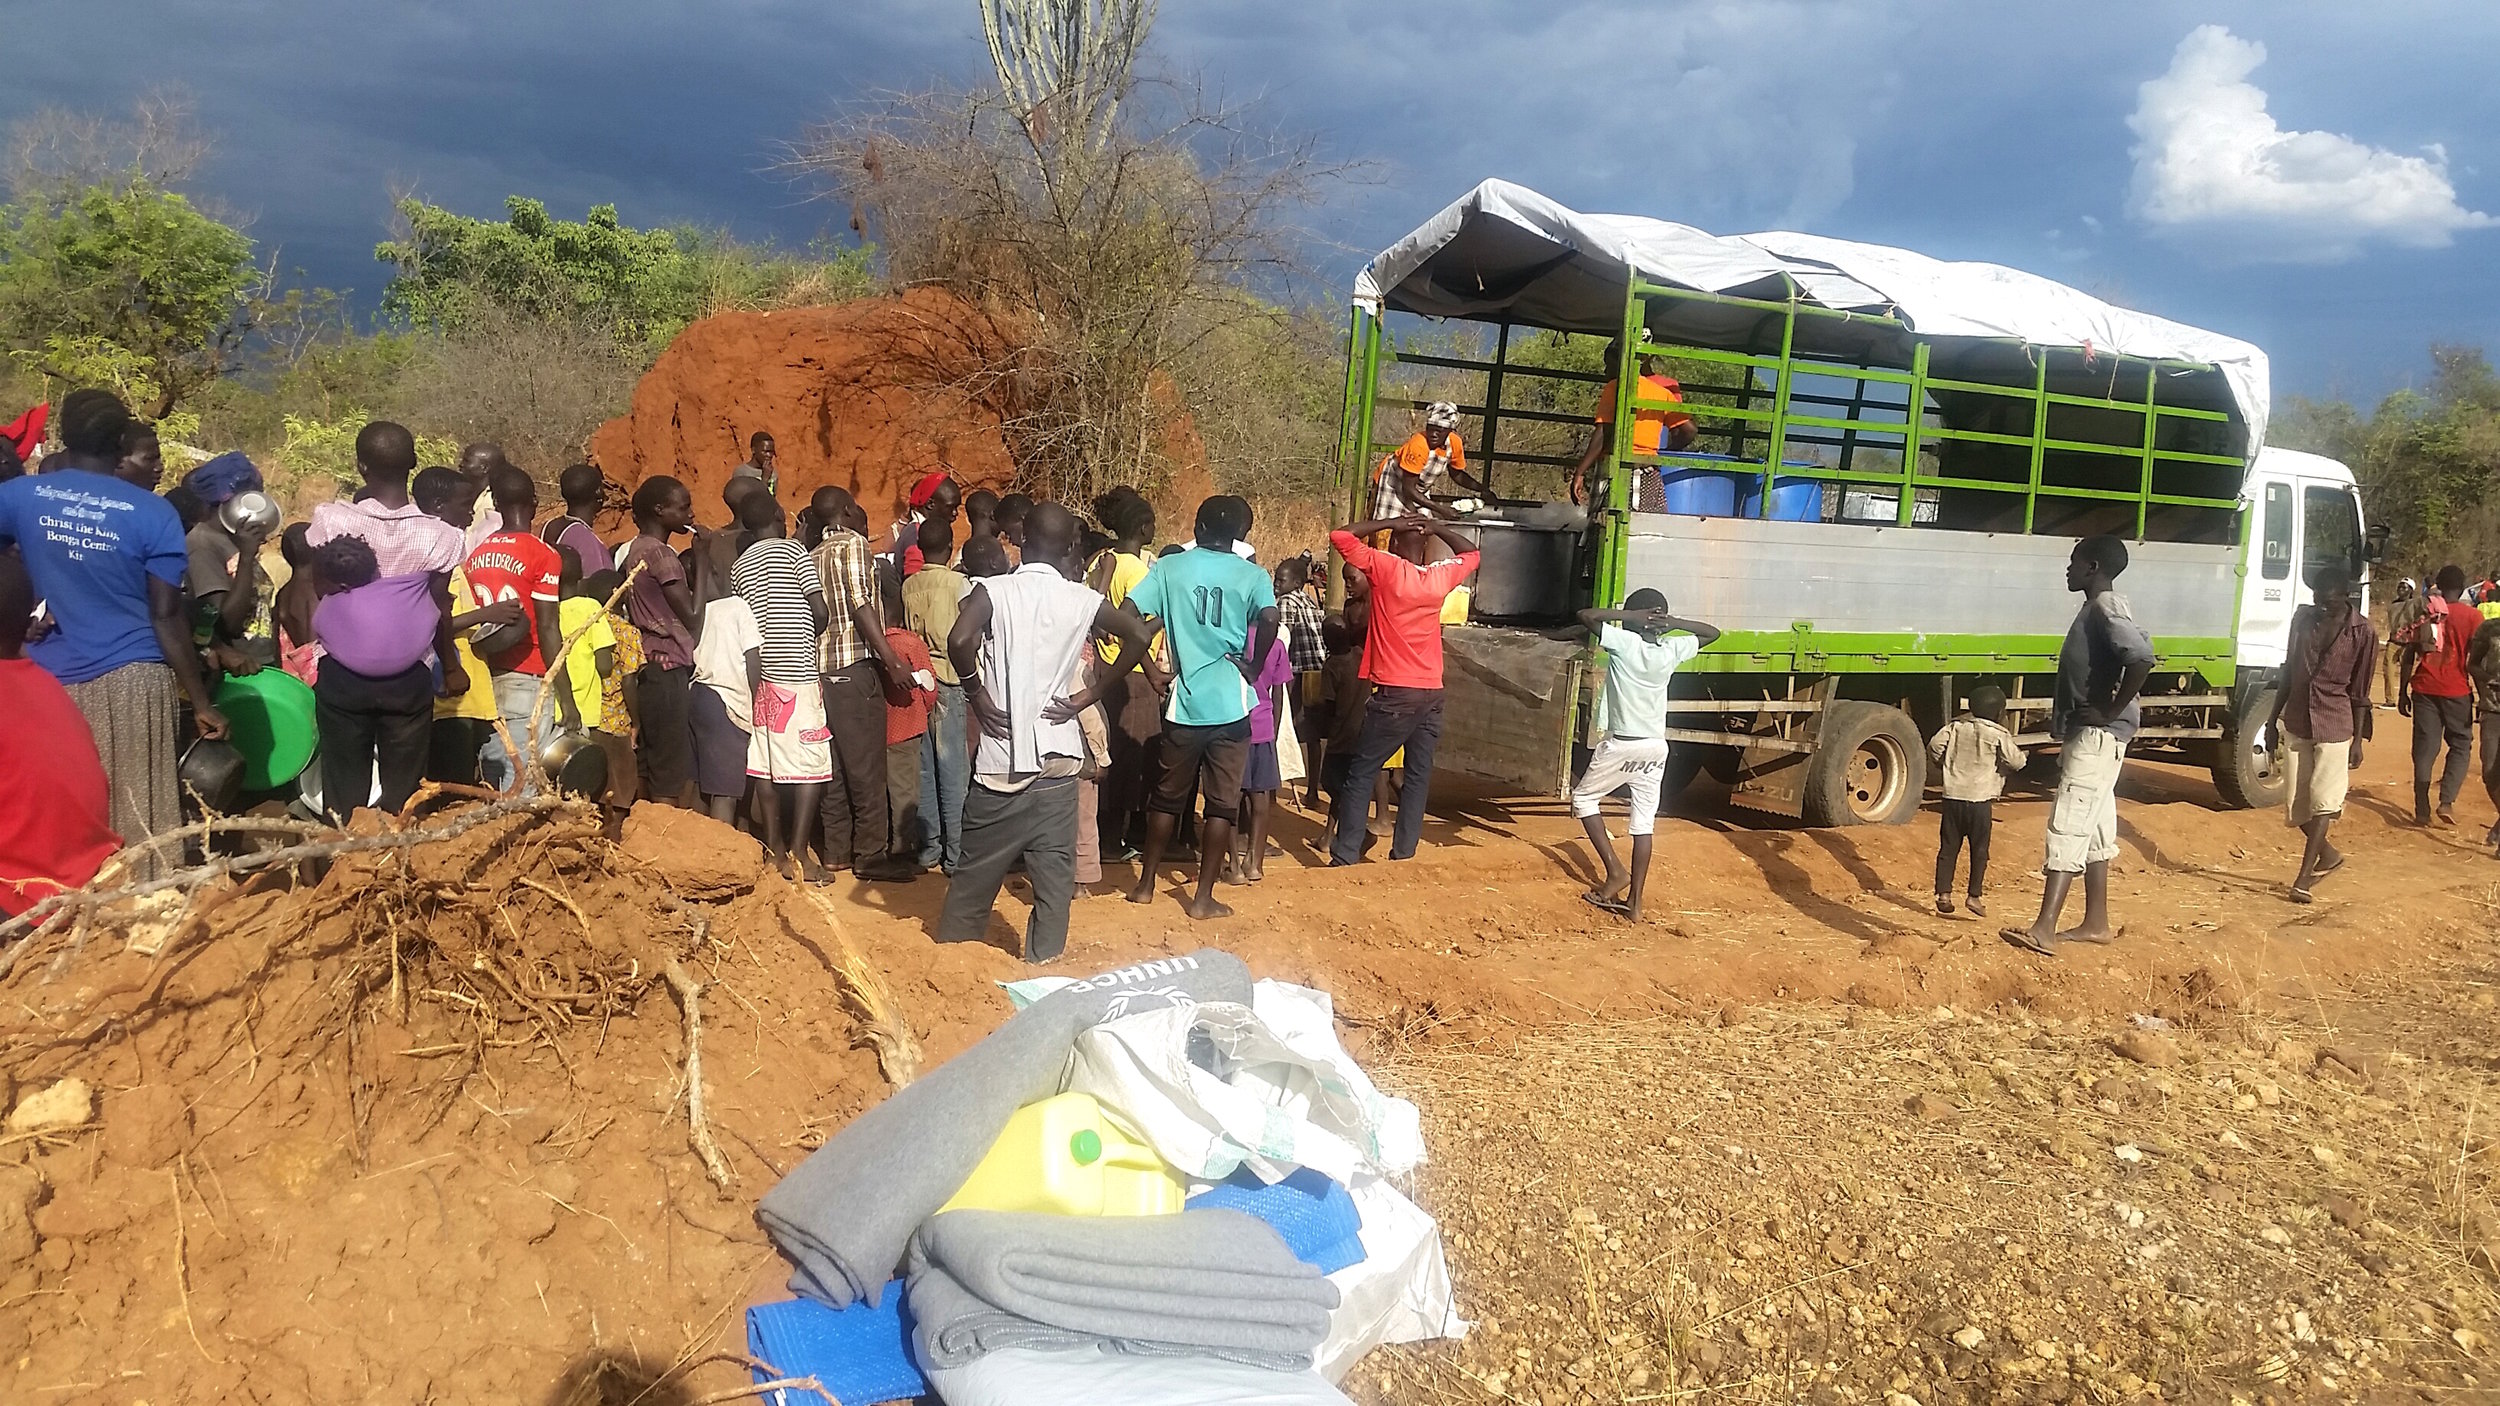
{"x": 233, "y": 595}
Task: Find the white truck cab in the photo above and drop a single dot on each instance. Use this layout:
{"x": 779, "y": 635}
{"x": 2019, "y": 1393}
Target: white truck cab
{"x": 2303, "y": 511}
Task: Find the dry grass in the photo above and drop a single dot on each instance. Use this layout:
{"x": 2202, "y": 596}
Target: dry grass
{"x": 1813, "y": 1205}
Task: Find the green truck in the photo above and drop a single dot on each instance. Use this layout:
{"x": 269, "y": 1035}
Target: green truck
{"x": 1890, "y": 459}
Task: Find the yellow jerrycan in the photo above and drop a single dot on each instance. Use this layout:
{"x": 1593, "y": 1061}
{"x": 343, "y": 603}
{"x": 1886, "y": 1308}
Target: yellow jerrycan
{"x": 1069, "y": 1155}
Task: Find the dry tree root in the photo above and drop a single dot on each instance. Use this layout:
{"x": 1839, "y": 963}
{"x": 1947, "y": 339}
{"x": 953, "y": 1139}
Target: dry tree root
{"x": 699, "y": 1128}
{"x": 81, "y": 902}
{"x": 881, "y": 1019}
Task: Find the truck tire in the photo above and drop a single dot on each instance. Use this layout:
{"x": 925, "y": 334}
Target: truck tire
{"x": 1869, "y": 767}
{"x": 2247, "y": 778}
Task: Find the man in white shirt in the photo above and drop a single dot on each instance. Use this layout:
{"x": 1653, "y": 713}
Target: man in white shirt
{"x": 1018, "y": 644}
{"x": 1640, "y": 662}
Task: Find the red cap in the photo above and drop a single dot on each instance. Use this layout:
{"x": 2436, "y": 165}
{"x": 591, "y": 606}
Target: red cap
{"x": 925, "y": 488}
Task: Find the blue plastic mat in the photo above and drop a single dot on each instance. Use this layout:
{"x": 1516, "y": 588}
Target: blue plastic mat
{"x": 861, "y": 1354}
{"x": 1315, "y": 1216}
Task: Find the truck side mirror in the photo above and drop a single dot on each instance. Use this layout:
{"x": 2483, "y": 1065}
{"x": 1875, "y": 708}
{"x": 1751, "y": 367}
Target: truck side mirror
{"x": 2374, "y": 542}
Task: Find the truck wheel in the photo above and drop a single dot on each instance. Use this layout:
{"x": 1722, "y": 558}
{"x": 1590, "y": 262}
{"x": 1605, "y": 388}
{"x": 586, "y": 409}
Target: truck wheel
{"x": 1869, "y": 767}
{"x": 2248, "y": 778}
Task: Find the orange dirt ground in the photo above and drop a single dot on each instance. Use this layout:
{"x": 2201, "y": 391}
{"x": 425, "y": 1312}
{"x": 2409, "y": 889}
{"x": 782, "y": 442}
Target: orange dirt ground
{"x": 292, "y": 1192}
{"x": 865, "y": 395}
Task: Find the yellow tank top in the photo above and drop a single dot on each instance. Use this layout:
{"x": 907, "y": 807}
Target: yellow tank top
{"x": 1127, "y": 569}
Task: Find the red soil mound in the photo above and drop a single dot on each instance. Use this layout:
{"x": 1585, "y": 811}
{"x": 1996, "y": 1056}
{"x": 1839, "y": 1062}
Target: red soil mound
{"x": 866, "y": 395}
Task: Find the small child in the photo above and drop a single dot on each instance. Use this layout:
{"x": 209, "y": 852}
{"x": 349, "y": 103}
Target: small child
{"x": 1337, "y": 713}
{"x": 593, "y": 655}
{"x": 1640, "y": 662}
{"x": 1263, "y": 776}
{"x": 618, "y": 694}
{"x": 1977, "y": 754}
{"x": 907, "y": 703}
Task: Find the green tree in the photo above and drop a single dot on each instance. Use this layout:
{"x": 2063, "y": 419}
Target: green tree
{"x": 2428, "y": 460}
{"x": 641, "y": 285}
{"x": 125, "y": 284}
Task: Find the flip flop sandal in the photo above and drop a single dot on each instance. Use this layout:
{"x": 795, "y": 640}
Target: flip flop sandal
{"x": 2022, "y": 938}
{"x": 2300, "y": 895}
{"x": 2114, "y": 934}
{"x": 1615, "y": 906}
{"x": 2325, "y": 869}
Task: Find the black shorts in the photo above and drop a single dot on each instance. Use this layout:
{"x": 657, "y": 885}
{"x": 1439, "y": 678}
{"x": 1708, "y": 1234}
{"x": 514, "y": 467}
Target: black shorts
{"x": 720, "y": 745}
{"x": 1212, "y": 759}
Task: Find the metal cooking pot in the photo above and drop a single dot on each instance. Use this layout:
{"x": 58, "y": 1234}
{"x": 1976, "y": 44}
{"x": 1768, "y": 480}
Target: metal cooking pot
{"x": 214, "y": 770}
{"x": 249, "y": 511}
{"x": 576, "y": 763}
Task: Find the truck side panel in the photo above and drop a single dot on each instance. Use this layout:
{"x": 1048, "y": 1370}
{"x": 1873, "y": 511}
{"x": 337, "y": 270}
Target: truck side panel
{"x": 1938, "y": 587}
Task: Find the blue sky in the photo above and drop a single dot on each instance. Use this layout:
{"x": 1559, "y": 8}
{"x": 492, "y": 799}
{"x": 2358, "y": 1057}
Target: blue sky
{"x": 2317, "y": 176}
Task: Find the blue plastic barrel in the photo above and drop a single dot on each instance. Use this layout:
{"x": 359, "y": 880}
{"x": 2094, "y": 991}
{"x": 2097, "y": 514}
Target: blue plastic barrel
{"x": 1795, "y": 501}
{"x": 1699, "y": 492}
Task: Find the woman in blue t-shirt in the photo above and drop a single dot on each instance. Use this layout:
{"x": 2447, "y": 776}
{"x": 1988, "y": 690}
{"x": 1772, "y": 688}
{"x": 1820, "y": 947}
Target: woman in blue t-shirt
{"x": 106, "y": 556}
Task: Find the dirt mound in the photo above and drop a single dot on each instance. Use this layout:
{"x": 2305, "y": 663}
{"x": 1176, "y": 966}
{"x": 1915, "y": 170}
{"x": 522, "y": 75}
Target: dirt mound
{"x": 865, "y": 395}
{"x": 417, "y": 1130}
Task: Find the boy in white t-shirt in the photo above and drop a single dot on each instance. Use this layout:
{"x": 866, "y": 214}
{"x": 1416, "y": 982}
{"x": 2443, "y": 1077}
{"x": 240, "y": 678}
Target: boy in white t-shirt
{"x": 1640, "y": 661}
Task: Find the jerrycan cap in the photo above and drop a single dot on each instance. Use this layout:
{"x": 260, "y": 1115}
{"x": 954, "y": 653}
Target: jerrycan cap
{"x": 1085, "y": 1147}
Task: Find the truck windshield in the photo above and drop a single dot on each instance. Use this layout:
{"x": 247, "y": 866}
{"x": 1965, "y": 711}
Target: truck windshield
{"x": 2330, "y": 530}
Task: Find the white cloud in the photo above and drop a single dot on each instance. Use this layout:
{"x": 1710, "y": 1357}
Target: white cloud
{"x": 2209, "y": 157}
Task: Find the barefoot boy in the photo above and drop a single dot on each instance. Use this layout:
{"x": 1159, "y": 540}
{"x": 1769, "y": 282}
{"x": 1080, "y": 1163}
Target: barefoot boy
{"x": 1976, "y": 754}
{"x": 1640, "y": 660}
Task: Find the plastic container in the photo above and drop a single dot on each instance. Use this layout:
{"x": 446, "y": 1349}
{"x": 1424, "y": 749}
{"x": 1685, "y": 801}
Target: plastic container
{"x": 1698, "y": 492}
{"x": 271, "y": 714}
{"x": 1067, "y": 1155}
{"x": 1796, "y": 501}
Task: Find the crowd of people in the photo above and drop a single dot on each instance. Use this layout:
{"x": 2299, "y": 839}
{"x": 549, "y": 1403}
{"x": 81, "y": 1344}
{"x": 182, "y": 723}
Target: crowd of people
{"x": 989, "y": 684}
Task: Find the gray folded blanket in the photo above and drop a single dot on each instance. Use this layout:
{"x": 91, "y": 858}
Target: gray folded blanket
{"x": 1214, "y": 1283}
{"x": 844, "y": 1215}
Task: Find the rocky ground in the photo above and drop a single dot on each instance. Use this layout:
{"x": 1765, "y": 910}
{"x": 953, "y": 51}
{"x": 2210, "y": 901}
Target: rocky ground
{"x": 1795, "y": 1138}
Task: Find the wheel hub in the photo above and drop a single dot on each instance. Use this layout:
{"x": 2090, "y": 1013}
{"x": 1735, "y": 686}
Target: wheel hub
{"x": 1876, "y": 774}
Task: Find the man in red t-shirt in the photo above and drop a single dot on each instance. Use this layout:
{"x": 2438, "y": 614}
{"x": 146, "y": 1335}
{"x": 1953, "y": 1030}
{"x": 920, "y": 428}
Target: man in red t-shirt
{"x": 54, "y": 819}
{"x": 1402, "y": 658}
{"x": 514, "y": 565}
{"x": 2438, "y": 694}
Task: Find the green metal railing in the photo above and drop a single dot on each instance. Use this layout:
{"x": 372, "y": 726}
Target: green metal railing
{"x": 1910, "y": 440}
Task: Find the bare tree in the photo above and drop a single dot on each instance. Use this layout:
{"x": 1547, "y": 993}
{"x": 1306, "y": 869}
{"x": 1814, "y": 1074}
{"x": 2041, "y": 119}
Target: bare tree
{"x": 1111, "y": 269}
{"x": 1072, "y": 59}
{"x": 54, "y": 151}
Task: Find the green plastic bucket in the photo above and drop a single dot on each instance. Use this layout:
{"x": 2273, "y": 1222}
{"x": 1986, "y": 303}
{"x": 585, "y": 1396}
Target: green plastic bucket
{"x": 271, "y": 713}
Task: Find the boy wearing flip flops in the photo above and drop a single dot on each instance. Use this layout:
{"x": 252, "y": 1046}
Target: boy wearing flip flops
{"x": 1644, "y": 646}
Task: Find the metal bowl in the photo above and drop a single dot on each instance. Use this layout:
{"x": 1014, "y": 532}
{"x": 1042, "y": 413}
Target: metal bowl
{"x": 249, "y": 511}
{"x": 576, "y": 763}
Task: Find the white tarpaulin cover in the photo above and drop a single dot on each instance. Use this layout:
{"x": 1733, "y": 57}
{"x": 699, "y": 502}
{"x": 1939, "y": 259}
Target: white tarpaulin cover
{"x": 1511, "y": 252}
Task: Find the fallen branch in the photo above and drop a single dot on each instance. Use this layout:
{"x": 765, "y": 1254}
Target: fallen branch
{"x": 760, "y": 1388}
{"x": 699, "y": 1128}
{"x": 28, "y": 925}
{"x": 881, "y": 1017}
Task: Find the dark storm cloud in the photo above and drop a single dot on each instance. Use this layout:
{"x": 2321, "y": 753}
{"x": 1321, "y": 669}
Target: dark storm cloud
{"x": 1962, "y": 129}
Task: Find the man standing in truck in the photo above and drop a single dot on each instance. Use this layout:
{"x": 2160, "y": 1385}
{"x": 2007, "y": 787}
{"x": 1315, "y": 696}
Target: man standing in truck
{"x": 1654, "y": 431}
{"x": 2093, "y": 716}
{"x": 2321, "y": 718}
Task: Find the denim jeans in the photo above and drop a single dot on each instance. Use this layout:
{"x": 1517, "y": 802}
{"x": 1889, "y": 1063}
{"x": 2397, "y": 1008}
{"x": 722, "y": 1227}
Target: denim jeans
{"x": 1394, "y": 718}
{"x": 945, "y": 774}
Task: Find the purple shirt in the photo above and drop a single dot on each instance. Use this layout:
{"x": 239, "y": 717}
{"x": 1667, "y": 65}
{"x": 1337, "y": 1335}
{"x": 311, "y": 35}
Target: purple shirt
{"x": 595, "y": 555}
{"x": 1274, "y": 674}
{"x": 666, "y": 641}
{"x": 379, "y": 629}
